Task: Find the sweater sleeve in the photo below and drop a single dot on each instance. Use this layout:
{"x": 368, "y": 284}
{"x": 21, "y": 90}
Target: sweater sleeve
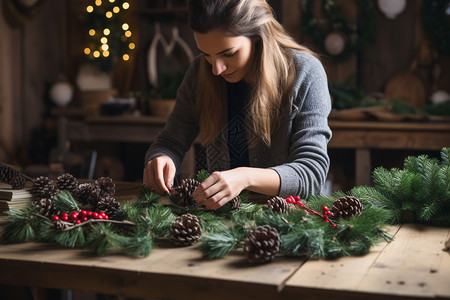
{"x": 308, "y": 164}
{"x": 181, "y": 129}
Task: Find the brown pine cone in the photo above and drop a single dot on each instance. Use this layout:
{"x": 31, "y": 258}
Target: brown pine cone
{"x": 82, "y": 193}
{"x": 7, "y": 173}
{"x": 106, "y": 184}
{"x": 186, "y": 230}
{"x": 45, "y": 206}
{"x": 262, "y": 244}
{"x": 95, "y": 195}
{"x": 182, "y": 194}
{"x": 278, "y": 204}
{"x": 43, "y": 188}
{"x": 17, "y": 182}
{"x": 67, "y": 182}
{"x": 109, "y": 205}
{"x": 346, "y": 207}
{"x": 235, "y": 202}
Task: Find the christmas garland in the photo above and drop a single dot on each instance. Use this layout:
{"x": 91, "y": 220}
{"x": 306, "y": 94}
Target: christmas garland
{"x": 87, "y": 216}
{"x": 356, "y": 36}
{"x": 434, "y": 14}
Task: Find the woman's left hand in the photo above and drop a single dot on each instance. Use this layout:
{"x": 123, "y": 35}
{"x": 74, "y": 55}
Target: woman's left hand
{"x": 219, "y": 188}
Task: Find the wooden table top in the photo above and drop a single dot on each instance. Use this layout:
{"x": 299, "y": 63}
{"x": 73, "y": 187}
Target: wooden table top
{"x": 414, "y": 265}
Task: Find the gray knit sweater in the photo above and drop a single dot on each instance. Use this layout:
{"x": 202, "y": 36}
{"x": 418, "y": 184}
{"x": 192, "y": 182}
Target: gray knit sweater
{"x": 298, "y": 151}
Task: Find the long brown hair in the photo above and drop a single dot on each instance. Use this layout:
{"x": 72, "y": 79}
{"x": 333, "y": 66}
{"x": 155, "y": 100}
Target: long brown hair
{"x": 272, "y": 73}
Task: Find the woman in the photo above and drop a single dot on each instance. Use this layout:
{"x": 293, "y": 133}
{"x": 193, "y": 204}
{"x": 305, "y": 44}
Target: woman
{"x": 257, "y": 100}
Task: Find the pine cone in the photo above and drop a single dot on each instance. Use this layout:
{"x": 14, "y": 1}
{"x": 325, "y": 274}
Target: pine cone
{"x": 235, "y": 202}
{"x": 43, "y": 188}
{"x": 17, "y": 182}
{"x": 82, "y": 193}
{"x": 278, "y": 204}
{"x": 182, "y": 194}
{"x": 67, "y": 182}
{"x": 109, "y": 205}
{"x": 7, "y": 173}
{"x": 95, "y": 196}
{"x": 45, "y": 206}
{"x": 346, "y": 207}
{"x": 106, "y": 184}
{"x": 262, "y": 244}
{"x": 186, "y": 230}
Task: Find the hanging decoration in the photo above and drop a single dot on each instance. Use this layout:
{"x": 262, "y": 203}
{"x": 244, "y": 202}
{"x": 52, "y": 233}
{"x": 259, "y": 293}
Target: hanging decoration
{"x": 436, "y": 23}
{"x": 336, "y": 36}
{"x": 391, "y": 8}
{"x": 109, "y": 38}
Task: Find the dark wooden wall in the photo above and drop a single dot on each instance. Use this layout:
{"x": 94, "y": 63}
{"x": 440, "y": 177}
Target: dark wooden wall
{"x": 51, "y": 42}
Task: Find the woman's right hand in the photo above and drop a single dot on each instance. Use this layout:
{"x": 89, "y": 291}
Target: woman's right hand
{"x": 159, "y": 174}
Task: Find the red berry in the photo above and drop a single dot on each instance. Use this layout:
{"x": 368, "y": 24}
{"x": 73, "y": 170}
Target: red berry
{"x": 78, "y": 221}
{"x": 95, "y": 215}
{"x": 297, "y": 198}
{"x": 64, "y": 217}
{"x": 106, "y": 217}
{"x": 55, "y": 218}
{"x": 100, "y": 217}
{"x": 84, "y": 219}
{"x": 89, "y": 213}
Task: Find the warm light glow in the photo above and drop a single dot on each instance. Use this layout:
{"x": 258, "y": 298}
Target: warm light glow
{"x": 125, "y": 57}
{"x": 87, "y": 51}
{"x": 96, "y": 54}
{"x": 127, "y": 33}
{"x": 109, "y": 14}
{"x": 105, "y": 53}
{"x": 112, "y": 1}
{"x": 92, "y": 32}
{"x": 106, "y": 31}
{"x": 125, "y": 26}
{"x": 131, "y": 46}
{"x": 116, "y": 9}
{"x": 103, "y": 40}
{"x": 89, "y": 9}
{"x": 126, "y": 5}
{"x": 105, "y": 47}
{"x": 98, "y": 2}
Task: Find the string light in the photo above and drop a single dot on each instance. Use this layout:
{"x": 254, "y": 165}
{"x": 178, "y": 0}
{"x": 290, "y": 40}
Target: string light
{"x": 109, "y": 35}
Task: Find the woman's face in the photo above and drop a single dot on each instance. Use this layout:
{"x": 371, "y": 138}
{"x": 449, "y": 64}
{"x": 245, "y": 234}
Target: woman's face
{"x": 230, "y": 56}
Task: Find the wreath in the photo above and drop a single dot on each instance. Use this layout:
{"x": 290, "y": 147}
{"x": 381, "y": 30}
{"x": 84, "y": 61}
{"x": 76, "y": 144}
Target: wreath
{"x": 350, "y": 38}
{"x": 436, "y": 23}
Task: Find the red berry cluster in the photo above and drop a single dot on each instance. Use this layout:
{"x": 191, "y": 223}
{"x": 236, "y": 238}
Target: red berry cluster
{"x": 326, "y": 213}
{"x": 79, "y": 217}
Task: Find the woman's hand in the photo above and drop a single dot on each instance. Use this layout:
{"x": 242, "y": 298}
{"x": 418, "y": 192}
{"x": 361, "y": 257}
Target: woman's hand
{"x": 218, "y": 189}
{"x": 159, "y": 174}
{"x": 221, "y": 187}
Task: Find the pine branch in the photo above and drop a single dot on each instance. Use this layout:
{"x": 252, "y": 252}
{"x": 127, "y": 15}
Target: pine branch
{"x": 202, "y": 175}
{"x": 73, "y": 238}
{"x": 217, "y": 245}
{"x": 102, "y": 240}
{"x": 64, "y": 201}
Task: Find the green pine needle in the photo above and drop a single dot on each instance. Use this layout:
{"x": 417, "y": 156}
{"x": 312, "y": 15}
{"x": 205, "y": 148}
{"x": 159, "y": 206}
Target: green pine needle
{"x": 202, "y": 175}
{"x": 103, "y": 240}
{"x": 74, "y": 238}
{"x": 217, "y": 245}
{"x": 65, "y": 202}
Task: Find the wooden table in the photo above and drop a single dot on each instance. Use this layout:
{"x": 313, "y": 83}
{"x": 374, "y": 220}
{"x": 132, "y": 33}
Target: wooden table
{"x": 413, "y": 266}
{"x": 362, "y": 136}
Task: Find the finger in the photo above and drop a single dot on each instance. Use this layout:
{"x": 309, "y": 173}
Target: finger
{"x": 169, "y": 176}
{"x": 208, "y": 187}
{"x": 160, "y": 185}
